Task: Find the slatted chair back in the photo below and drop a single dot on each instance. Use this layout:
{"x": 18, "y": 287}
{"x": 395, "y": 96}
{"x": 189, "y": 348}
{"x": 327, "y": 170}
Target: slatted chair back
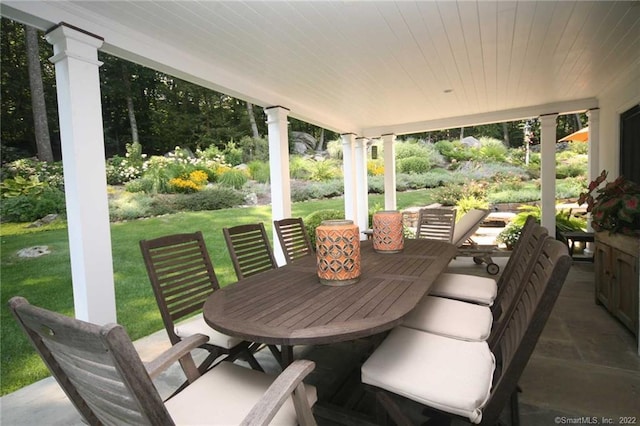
{"x": 98, "y": 367}
{"x": 250, "y": 249}
{"x": 436, "y": 224}
{"x": 293, "y": 238}
{"x": 181, "y": 274}
{"x": 524, "y": 324}
{"x": 519, "y": 266}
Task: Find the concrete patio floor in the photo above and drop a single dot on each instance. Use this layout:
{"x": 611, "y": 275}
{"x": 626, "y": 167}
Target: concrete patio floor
{"x": 585, "y": 366}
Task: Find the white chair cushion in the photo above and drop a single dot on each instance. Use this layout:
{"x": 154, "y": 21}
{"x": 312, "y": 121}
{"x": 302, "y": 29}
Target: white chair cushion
{"x": 198, "y": 325}
{"x": 469, "y": 288}
{"x": 225, "y": 395}
{"x": 450, "y": 375}
{"x": 451, "y": 318}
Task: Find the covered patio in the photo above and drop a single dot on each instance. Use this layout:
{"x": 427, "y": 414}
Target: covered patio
{"x": 584, "y": 366}
{"x": 363, "y": 69}
{"x": 367, "y": 70}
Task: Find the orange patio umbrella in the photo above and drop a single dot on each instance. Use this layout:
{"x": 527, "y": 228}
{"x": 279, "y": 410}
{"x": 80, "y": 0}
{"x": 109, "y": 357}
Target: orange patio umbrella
{"x": 581, "y": 135}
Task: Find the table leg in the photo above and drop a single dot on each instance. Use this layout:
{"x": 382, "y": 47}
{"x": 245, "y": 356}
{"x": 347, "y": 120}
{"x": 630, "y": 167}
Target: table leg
{"x": 287, "y": 355}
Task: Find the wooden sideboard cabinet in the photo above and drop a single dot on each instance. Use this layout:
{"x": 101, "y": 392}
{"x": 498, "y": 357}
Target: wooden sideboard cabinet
{"x": 617, "y": 276}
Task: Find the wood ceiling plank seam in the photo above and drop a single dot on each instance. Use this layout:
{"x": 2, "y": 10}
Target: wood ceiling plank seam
{"x": 613, "y": 43}
{"x": 312, "y": 34}
{"x": 423, "y": 80}
{"x": 446, "y": 56}
{"x": 472, "y": 39}
{"x": 522, "y": 32}
{"x": 213, "y": 27}
{"x": 488, "y": 16}
{"x": 528, "y": 79}
{"x": 549, "y": 18}
{"x": 582, "y": 35}
{"x": 505, "y": 35}
{"x": 430, "y": 51}
{"x": 298, "y": 48}
{"x": 450, "y": 21}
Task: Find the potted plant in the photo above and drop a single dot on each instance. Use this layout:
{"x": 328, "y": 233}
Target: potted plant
{"x": 509, "y": 235}
{"x": 614, "y": 207}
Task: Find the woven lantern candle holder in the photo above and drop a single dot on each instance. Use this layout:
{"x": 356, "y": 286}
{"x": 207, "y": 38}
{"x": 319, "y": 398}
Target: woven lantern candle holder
{"x": 338, "y": 252}
{"x": 387, "y": 232}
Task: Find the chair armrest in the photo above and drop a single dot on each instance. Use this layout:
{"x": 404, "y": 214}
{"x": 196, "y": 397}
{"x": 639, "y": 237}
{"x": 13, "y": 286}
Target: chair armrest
{"x": 288, "y": 382}
{"x": 156, "y": 366}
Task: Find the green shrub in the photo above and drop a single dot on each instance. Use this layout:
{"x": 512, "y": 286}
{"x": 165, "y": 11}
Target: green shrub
{"x": 453, "y": 151}
{"x": 33, "y": 206}
{"x": 376, "y": 184}
{"x": 470, "y": 202}
{"x": 411, "y": 148}
{"x": 492, "y": 150}
{"x": 314, "y": 220}
{"x": 570, "y": 187}
{"x": 232, "y": 154}
{"x": 259, "y": 171}
{"x": 523, "y": 195}
{"x": 565, "y": 222}
{"x": 571, "y": 165}
{"x": 448, "y": 195}
{"x": 129, "y": 206}
{"x": 51, "y": 173}
{"x": 254, "y": 149}
{"x": 299, "y": 167}
{"x": 13, "y": 187}
{"x": 324, "y": 170}
{"x": 578, "y": 147}
{"x": 413, "y": 164}
{"x": 306, "y": 190}
{"x": 215, "y": 198}
{"x": 334, "y": 148}
{"x": 233, "y": 178}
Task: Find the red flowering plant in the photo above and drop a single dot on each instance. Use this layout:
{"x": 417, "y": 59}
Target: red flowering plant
{"x": 614, "y": 207}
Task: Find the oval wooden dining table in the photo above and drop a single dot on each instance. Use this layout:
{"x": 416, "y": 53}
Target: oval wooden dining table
{"x": 288, "y": 305}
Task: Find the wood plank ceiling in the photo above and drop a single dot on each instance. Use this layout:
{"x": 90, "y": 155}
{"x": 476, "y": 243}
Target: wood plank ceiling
{"x": 354, "y": 66}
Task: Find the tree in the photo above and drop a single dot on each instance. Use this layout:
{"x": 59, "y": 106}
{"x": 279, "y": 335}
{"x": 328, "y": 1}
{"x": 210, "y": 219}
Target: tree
{"x": 38, "y": 105}
{"x": 252, "y": 121}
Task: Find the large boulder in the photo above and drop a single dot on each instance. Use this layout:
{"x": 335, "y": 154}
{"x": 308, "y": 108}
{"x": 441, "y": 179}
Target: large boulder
{"x": 471, "y": 142}
{"x": 303, "y": 142}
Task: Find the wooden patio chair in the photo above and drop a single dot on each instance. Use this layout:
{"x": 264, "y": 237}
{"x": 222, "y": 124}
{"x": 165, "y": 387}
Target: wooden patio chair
{"x": 473, "y": 322}
{"x": 482, "y": 290}
{"x": 473, "y": 381}
{"x": 182, "y": 277}
{"x": 293, "y": 238}
{"x": 250, "y": 249}
{"x": 436, "y": 223}
{"x": 107, "y": 382}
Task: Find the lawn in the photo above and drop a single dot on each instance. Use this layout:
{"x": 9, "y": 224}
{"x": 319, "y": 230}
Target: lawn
{"x": 46, "y": 281}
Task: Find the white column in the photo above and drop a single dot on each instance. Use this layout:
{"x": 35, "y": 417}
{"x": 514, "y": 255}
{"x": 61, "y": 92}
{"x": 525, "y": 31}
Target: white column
{"x": 548, "y": 171}
{"x": 279, "y": 170}
{"x": 594, "y": 143}
{"x": 349, "y": 173}
{"x": 593, "y": 153}
{"x": 389, "y": 148}
{"x": 75, "y": 55}
{"x": 362, "y": 186}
